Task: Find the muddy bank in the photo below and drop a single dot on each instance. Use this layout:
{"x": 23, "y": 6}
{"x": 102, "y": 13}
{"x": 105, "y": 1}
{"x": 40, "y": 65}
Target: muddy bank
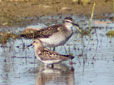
{"x": 13, "y": 13}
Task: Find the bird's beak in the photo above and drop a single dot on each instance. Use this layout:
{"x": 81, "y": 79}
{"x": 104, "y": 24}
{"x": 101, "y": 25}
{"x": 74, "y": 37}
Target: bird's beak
{"x": 75, "y": 24}
{"x": 32, "y": 44}
{"x": 77, "y": 27}
{"x": 29, "y": 45}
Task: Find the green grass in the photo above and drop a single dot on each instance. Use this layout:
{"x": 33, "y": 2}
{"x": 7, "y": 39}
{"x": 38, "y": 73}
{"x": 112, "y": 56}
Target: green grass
{"x": 110, "y": 33}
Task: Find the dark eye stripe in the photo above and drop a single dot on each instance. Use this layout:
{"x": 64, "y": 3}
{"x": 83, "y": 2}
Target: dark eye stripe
{"x": 66, "y": 21}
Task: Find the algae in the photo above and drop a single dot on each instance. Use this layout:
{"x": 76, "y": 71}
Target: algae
{"x": 110, "y": 33}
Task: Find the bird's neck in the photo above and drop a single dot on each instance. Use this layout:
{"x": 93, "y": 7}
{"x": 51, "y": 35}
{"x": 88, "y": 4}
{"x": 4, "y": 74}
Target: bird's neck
{"x": 68, "y": 26}
{"x": 38, "y": 49}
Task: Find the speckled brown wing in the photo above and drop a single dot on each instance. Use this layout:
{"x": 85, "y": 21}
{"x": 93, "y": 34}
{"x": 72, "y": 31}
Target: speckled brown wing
{"x": 43, "y": 33}
{"x": 51, "y": 55}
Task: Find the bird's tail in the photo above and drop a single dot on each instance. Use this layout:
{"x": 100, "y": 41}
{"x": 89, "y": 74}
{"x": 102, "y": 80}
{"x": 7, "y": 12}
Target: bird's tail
{"x": 29, "y": 36}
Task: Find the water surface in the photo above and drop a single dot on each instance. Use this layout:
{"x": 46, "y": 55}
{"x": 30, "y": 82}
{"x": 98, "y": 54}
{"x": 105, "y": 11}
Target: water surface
{"x": 93, "y": 63}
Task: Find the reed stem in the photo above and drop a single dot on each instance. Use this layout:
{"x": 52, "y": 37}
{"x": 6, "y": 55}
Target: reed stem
{"x": 91, "y": 16}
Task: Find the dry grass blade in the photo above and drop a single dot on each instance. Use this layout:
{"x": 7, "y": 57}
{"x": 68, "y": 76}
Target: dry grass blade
{"x": 91, "y": 16}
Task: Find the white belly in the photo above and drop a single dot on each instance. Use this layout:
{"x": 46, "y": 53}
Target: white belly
{"x": 55, "y": 40}
{"x": 47, "y": 62}
{"x": 51, "y": 61}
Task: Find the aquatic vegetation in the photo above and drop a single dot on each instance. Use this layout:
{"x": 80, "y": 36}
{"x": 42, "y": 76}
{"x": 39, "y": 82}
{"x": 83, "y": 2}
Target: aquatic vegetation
{"x": 5, "y": 37}
{"x": 85, "y": 32}
{"x": 91, "y": 16}
{"x": 110, "y": 33}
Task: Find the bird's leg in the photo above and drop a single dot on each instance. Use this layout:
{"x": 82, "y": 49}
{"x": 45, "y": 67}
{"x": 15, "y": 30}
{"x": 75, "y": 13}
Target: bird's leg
{"x": 53, "y": 48}
{"x": 72, "y": 68}
{"x": 46, "y": 66}
{"x": 52, "y": 65}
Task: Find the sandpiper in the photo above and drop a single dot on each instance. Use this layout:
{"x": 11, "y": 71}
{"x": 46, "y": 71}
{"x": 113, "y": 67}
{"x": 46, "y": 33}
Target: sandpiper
{"x": 47, "y": 56}
{"x": 55, "y": 35}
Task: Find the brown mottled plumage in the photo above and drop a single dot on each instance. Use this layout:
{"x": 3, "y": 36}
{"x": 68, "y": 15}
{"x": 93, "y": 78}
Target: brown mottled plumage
{"x": 47, "y": 56}
{"x": 51, "y": 55}
{"x": 43, "y": 33}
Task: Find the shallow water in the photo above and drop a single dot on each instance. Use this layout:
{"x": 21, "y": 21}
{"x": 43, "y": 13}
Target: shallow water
{"x": 93, "y": 63}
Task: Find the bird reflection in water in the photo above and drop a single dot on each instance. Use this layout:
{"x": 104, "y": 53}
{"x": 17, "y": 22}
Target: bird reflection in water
{"x": 59, "y": 75}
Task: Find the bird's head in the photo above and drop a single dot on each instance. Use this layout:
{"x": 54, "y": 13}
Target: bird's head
{"x": 37, "y": 43}
{"x": 69, "y": 21}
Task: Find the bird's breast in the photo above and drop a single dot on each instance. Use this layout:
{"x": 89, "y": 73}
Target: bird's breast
{"x": 56, "y": 39}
